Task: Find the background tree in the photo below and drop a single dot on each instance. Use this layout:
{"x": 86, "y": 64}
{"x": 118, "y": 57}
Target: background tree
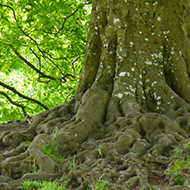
{"x": 42, "y": 46}
{"x": 129, "y": 121}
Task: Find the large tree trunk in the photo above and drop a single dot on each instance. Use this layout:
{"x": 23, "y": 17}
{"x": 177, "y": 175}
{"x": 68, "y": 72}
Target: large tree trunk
{"x": 131, "y": 110}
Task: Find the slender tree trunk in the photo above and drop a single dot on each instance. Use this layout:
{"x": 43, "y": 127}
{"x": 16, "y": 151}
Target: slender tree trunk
{"x": 131, "y": 109}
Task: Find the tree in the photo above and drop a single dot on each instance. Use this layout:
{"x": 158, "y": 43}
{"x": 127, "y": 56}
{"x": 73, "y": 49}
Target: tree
{"x": 129, "y": 120}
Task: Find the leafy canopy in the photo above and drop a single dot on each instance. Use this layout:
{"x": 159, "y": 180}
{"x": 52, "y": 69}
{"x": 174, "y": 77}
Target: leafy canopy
{"x": 42, "y": 46}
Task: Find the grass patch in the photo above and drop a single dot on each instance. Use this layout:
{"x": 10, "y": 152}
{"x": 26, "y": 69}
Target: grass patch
{"x": 44, "y": 185}
{"x": 72, "y": 164}
{"x": 101, "y": 185}
{"x": 51, "y": 149}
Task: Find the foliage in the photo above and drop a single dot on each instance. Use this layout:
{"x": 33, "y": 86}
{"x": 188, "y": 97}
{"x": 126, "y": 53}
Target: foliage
{"x": 179, "y": 180}
{"x": 178, "y": 152}
{"x": 51, "y": 148}
{"x": 72, "y": 164}
{"x": 42, "y": 47}
{"x": 180, "y": 164}
{"x": 33, "y": 166}
{"x": 45, "y": 185}
{"x": 100, "y": 154}
{"x": 182, "y": 160}
{"x": 30, "y": 184}
{"x": 101, "y": 184}
{"x": 187, "y": 146}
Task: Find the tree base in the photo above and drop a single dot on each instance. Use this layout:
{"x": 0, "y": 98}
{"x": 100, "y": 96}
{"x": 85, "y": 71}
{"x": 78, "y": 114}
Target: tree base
{"x": 70, "y": 143}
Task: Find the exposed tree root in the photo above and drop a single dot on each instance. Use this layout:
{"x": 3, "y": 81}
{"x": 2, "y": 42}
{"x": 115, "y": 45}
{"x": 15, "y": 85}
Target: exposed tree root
{"x": 135, "y": 151}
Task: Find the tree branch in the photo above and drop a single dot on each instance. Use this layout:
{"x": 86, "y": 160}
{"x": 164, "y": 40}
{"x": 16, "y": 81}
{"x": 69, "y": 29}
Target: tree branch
{"x": 14, "y": 14}
{"x": 22, "y": 95}
{"x": 39, "y": 59}
{"x": 63, "y": 24}
{"x": 14, "y": 103}
{"x": 49, "y": 57}
{"x": 30, "y": 64}
{"x": 73, "y": 67}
